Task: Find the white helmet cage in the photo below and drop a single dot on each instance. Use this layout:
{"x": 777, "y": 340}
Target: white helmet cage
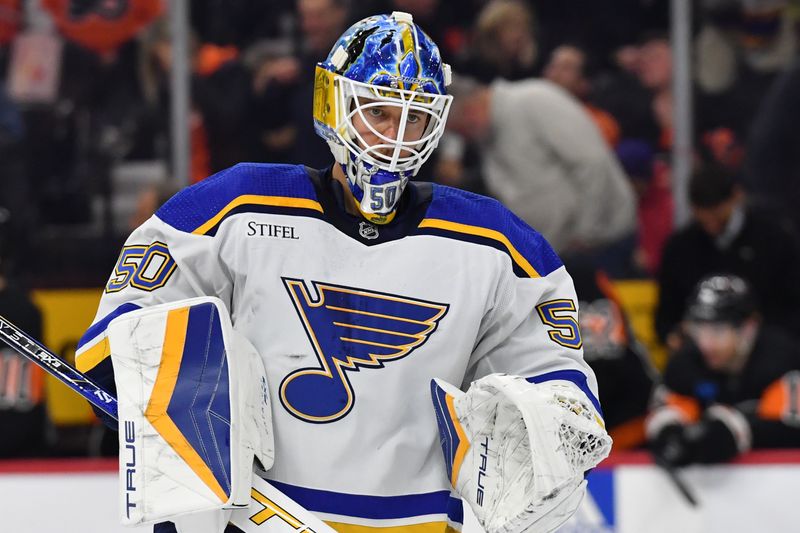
{"x": 390, "y": 154}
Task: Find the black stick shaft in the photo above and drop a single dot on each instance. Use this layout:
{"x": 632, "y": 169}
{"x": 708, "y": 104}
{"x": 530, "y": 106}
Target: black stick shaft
{"x": 33, "y": 350}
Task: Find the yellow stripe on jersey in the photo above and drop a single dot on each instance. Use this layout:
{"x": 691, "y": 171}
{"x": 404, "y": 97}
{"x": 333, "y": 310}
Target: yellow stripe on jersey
{"x": 428, "y": 527}
{"x": 255, "y": 199}
{"x": 156, "y": 411}
{"x": 90, "y": 358}
{"x": 517, "y": 257}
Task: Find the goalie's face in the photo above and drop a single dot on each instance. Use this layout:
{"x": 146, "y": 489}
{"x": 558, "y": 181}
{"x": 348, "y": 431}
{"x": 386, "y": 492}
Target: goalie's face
{"x": 382, "y": 129}
{"x": 389, "y": 134}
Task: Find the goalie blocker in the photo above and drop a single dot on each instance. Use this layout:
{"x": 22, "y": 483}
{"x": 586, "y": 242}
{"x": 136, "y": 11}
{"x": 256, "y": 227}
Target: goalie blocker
{"x": 517, "y": 452}
{"x": 193, "y": 411}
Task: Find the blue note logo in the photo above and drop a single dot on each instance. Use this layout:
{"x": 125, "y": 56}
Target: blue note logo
{"x": 350, "y": 329}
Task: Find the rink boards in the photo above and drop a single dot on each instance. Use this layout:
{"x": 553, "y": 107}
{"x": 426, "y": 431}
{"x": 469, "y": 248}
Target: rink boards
{"x": 626, "y": 495}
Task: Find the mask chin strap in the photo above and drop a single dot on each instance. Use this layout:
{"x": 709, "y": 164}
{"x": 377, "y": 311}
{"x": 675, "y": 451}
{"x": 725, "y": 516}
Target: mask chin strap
{"x": 377, "y": 203}
{"x": 365, "y": 205}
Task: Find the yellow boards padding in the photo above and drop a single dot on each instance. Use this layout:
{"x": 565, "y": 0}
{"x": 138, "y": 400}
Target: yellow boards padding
{"x": 66, "y": 314}
{"x": 639, "y": 299}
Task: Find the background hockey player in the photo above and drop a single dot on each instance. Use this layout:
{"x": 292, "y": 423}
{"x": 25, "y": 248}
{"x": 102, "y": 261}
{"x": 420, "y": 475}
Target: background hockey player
{"x": 366, "y": 296}
{"x": 732, "y": 386}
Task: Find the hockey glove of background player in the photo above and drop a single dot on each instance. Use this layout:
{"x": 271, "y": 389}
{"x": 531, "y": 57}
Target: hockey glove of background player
{"x": 670, "y": 447}
{"x": 721, "y": 434}
{"x": 517, "y": 452}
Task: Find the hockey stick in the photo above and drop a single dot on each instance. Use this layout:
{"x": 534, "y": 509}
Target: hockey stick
{"x": 266, "y": 501}
{"x": 31, "y": 349}
{"x": 679, "y": 483}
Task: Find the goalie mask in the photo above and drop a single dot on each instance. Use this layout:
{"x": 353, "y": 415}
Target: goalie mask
{"x": 380, "y": 103}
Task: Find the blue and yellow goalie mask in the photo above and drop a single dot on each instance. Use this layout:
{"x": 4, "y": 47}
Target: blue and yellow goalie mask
{"x": 381, "y": 104}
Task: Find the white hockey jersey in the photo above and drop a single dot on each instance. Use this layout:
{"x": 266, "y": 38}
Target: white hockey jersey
{"x": 353, "y": 320}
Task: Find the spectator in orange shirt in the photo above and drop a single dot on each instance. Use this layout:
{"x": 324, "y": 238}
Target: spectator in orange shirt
{"x": 571, "y": 67}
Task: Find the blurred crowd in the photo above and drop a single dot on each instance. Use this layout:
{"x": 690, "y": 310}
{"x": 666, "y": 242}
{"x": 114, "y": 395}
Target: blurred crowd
{"x": 563, "y": 110}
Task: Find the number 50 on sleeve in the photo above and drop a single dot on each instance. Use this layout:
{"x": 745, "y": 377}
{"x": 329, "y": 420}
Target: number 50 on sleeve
{"x": 559, "y": 315}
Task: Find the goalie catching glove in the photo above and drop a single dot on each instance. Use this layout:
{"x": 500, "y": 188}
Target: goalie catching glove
{"x": 517, "y": 452}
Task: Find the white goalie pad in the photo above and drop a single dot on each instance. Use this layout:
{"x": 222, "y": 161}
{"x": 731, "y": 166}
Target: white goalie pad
{"x": 517, "y": 452}
{"x": 193, "y": 409}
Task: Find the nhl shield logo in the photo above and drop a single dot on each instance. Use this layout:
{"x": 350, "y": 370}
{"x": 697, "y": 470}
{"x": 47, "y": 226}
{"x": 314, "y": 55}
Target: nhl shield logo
{"x": 367, "y": 230}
